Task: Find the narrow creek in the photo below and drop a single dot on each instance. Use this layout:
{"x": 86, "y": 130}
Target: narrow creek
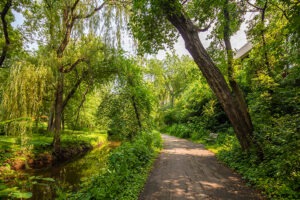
{"x": 46, "y": 184}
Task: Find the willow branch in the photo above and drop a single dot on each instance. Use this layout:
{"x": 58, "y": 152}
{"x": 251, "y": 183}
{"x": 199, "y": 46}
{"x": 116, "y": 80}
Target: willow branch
{"x": 184, "y": 2}
{"x": 72, "y": 66}
{"x": 251, "y": 4}
{"x": 91, "y": 13}
{"x": 70, "y": 21}
{"x": 74, "y": 89}
{"x": 5, "y": 31}
{"x": 74, "y": 5}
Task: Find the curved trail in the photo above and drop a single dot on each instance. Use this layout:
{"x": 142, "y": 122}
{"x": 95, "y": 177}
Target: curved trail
{"x": 185, "y": 170}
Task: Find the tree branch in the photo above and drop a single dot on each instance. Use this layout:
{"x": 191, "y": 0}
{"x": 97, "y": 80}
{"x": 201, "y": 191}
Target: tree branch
{"x": 281, "y": 9}
{"x": 184, "y": 2}
{"x": 73, "y": 90}
{"x": 5, "y": 31}
{"x": 90, "y": 14}
{"x": 72, "y": 66}
{"x": 70, "y": 21}
{"x": 82, "y": 102}
{"x": 206, "y": 28}
{"x": 74, "y": 5}
{"x": 251, "y": 4}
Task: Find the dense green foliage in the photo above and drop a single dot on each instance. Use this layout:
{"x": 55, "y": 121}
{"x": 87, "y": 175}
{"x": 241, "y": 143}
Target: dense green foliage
{"x": 65, "y": 76}
{"x": 127, "y": 170}
{"x": 129, "y": 105}
{"x": 274, "y": 108}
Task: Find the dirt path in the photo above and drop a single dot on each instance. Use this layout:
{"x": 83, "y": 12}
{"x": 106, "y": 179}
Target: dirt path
{"x": 185, "y": 170}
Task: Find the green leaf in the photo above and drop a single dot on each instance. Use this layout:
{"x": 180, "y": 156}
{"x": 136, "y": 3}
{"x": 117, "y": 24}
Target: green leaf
{"x": 23, "y": 195}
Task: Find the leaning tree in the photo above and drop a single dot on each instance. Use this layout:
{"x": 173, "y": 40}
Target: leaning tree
{"x": 156, "y": 23}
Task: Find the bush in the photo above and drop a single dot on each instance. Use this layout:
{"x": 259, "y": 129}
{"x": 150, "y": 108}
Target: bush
{"x": 179, "y": 130}
{"x": 127, "y": 170}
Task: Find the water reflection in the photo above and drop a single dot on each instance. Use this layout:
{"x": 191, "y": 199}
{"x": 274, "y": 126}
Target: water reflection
{"x": 67, "y": 176}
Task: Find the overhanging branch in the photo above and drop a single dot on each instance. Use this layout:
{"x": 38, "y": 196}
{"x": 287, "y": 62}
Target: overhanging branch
{"x": 5, "y": 31}
{"x": 205, "y": 28}
{"x": 254, "y": 6}
{"x": 72, "y": 66}
{"x": 91, "y": 13}
{"x": 74, "y": 89}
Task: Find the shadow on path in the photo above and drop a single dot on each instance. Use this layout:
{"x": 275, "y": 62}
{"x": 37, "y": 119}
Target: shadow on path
{"x": 185, "y": 170}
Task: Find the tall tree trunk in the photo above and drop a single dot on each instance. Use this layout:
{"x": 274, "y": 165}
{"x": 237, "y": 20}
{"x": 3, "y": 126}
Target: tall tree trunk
{"x": 50, "y": 127}
{"x": 58, "y": 112}
{"x": 136, "y": 111}
{"x": 3, "y": 14}
{"x": 172, "y": 99}
{"x": 69, "y": 17}
{"x": 236, "y": 91}
{"x": 63, "y": 120}
{"x": 237, "y": 114}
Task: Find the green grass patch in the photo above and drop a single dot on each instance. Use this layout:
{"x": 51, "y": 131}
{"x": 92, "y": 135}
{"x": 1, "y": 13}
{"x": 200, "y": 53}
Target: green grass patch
{"x": 12, "y": 148}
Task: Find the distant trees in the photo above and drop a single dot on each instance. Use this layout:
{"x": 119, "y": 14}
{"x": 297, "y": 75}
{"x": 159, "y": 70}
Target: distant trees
{"x": 130, "y": 103}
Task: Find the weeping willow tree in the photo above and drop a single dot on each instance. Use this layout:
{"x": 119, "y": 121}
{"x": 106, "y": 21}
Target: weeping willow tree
{"x": 23, "y": 97}
{"x": 56, "y": 25}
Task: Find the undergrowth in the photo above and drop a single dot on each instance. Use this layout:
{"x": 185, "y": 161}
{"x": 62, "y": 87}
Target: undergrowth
{"x": 127, "y": 171}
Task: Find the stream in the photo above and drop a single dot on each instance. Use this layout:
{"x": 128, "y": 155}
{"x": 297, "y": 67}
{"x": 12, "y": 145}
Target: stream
{"x": 46, "y": 184}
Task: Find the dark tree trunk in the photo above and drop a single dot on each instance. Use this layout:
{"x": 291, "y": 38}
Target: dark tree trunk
{"x": 136, "y": 111}
{"x": 3, "y": 14}
{"x": 237, "y": 114}
{"x": 69, "y": 17}
{"x": 63, "y": 120}
{"x": 58, "y": 112}
{"x": 50, "y": 127}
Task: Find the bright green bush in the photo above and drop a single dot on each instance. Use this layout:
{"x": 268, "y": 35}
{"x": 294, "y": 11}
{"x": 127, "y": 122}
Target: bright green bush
{"x": 179, "y": 130}
{"x": 127, "y": 170}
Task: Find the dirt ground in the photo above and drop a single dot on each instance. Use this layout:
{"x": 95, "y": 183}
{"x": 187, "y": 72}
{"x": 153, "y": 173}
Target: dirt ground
{"x": 185, "y": 170}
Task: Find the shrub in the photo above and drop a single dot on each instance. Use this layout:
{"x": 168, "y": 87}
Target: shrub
{"x": 179, "y": 130}
{"x": 127, "y": 170}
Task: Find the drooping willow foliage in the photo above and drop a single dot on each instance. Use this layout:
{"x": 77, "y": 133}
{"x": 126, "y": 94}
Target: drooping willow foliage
{"x": 23, "y": 97}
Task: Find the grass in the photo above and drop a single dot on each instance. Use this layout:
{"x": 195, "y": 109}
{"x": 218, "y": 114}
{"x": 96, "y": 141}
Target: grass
{"x": 12, "y": 148}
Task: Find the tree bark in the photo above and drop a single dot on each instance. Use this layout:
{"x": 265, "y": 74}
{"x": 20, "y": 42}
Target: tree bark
{"x": 5, "y": 31}
{"x": 136, "y": 111}
{"x": 230, "y": 103}
{"x": 58, "y": 113}
{"x": 69, "y": 18}
{"x": 50, "y": 127}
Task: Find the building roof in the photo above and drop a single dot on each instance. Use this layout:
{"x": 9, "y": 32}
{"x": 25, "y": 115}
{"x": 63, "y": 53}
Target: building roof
{"x": 243, "y": 51}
